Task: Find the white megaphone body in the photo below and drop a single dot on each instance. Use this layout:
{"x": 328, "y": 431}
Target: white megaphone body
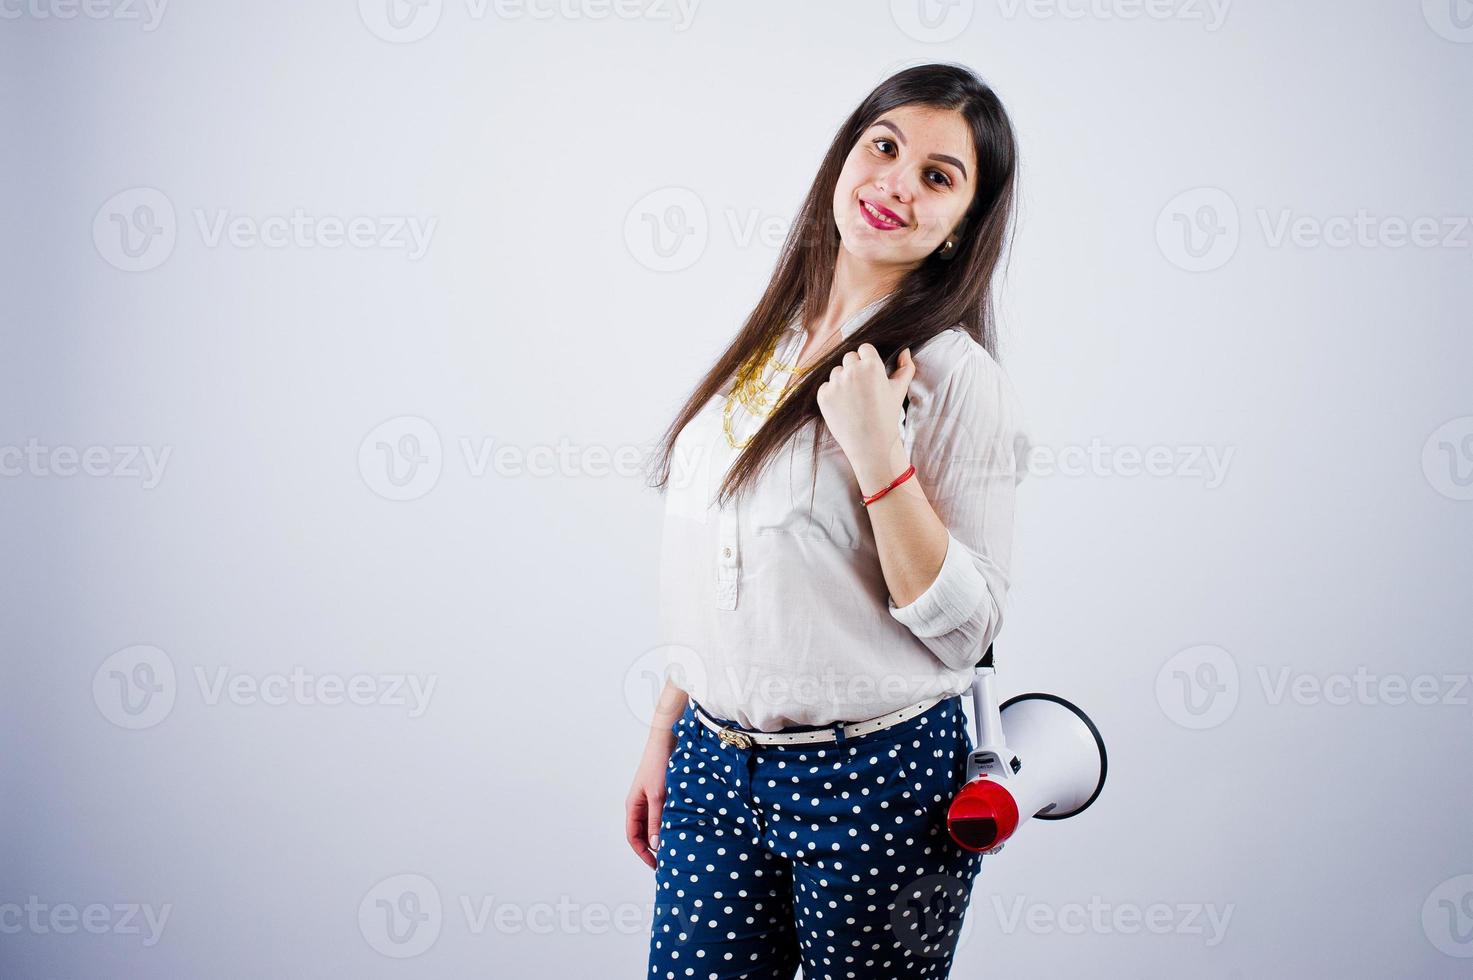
{"x": 1037, "y": 755}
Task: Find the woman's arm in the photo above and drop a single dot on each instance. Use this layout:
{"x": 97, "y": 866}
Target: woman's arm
{"x": 911, "y": 539}
{"x": 668, "y": 707}
{"x": 944, "y": 536}
{"x": 646, "y": 797}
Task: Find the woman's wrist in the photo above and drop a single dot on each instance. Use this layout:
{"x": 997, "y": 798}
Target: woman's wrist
{"x": 875, "y": 472}
{"x": 659, "y": 744}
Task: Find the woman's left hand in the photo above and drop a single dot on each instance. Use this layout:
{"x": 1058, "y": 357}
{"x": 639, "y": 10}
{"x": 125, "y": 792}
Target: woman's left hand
{"x": 861, "y": 405}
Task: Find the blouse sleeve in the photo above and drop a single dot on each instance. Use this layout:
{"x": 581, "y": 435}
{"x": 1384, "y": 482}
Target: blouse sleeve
{"x": 970, "y": 451}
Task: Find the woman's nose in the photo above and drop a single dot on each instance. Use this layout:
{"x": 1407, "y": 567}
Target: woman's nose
{"x": 893, "y": 182}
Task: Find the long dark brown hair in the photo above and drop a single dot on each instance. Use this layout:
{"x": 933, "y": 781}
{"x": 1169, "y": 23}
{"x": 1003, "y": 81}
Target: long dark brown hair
{"x": 935, "y": 296}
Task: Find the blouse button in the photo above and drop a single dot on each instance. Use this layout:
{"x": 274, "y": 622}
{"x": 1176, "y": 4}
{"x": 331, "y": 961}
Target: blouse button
{"x": 725, "y": 552}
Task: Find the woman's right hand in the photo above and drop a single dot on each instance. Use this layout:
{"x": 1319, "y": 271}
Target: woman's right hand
{"x": 646, "y": 800}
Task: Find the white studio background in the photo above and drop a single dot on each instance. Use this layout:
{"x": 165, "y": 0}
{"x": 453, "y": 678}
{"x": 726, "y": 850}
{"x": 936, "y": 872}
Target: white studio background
{"x": 282, "y": 280}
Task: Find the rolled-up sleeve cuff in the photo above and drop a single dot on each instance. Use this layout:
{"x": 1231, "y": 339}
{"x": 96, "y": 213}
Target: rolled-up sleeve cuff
{"x": 958, "y": 590}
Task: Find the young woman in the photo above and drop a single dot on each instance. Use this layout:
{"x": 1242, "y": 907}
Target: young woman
{"x": 793, "y": 793}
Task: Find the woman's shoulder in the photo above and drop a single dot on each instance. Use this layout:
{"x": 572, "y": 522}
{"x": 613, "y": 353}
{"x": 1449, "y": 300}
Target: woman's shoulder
{"x": 957, "y": 379}
{"x": 954, "y": 360}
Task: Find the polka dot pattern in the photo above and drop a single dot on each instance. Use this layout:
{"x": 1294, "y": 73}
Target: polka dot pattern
{"x": 831, "y": 856}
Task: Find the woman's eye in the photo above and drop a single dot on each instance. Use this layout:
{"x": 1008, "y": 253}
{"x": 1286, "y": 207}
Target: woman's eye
{"x": 945, "y": 180}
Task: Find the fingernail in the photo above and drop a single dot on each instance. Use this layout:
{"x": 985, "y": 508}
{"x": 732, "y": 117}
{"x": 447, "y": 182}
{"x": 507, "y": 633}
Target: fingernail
{"x": 654, "y": 843}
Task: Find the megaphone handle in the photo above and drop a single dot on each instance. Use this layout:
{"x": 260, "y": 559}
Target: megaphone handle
{"x": 984, "y": 700}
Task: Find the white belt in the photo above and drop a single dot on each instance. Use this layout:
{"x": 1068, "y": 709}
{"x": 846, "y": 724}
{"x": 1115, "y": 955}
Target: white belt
{"x": 744, "y": 739}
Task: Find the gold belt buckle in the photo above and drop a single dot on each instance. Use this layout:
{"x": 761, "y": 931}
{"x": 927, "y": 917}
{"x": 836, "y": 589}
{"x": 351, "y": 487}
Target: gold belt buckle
{"x": 730, "y": 736}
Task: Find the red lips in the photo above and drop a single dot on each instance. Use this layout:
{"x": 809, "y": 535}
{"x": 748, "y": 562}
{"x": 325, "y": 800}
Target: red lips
{"x": 891, "y": 215}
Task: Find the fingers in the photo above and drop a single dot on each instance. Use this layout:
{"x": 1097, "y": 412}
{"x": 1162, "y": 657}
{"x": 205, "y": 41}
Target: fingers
{"x": 867, "y": 354}
{"x": 905, "y": 367}
{"x": 653, "y": 825}
{"x": 636, "y": 826}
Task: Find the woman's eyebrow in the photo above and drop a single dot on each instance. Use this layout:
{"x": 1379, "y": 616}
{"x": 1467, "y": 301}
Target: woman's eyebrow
{"x": 944, "y": 158}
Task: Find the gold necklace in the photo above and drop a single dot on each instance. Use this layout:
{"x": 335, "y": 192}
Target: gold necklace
{"x": 749, "y": 390}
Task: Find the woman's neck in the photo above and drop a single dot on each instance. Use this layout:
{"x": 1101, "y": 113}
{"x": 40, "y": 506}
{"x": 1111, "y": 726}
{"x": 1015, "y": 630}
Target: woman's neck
{"x": 855, "y": 285}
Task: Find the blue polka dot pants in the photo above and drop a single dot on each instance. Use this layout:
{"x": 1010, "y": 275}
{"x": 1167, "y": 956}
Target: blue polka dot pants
{"x": 832, "y": 856}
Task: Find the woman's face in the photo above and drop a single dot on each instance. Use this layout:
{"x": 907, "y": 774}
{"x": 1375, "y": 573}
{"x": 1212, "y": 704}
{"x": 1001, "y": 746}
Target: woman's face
{"x": 916, "y": 165}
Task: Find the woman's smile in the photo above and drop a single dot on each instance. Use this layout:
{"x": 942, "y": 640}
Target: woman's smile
{"x": 879, "y": 217}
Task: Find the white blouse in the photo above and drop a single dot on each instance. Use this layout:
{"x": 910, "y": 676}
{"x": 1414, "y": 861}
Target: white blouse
{"x": 774, "y": 610}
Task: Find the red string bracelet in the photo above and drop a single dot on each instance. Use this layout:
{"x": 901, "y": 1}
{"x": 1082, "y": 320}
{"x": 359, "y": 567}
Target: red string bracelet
{"x": 909, "y": 471}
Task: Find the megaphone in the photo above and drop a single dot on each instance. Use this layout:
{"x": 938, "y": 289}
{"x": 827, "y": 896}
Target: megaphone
{"x": 1050, "y": 766}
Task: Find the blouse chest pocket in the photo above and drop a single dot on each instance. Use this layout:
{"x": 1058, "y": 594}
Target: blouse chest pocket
{"x": 788, "y": 501}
